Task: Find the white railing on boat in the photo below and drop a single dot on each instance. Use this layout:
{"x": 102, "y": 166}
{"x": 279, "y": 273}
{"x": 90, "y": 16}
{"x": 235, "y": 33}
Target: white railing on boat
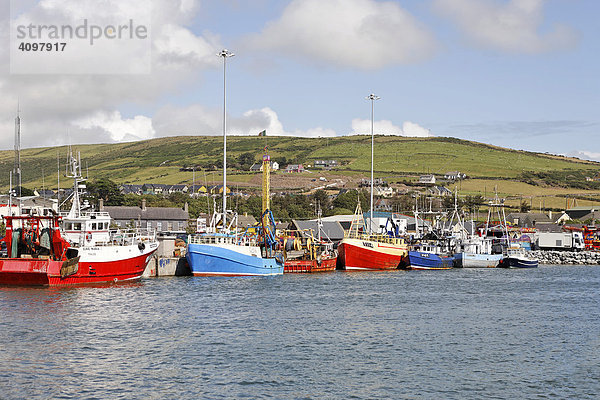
{"x": 122, "y": 238}
{"x": 220, "y": 239}
{"x": 374, "y": 237}
{"x": 87, "y": 214}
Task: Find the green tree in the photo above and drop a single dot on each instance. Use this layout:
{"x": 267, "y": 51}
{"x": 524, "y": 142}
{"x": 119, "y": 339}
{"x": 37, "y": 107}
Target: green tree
{"x": 403, "y": 203}
{"x": 525, "y": 207}
{"x": 473, "y": 203}
{"x": 23, "y": 191}
{"x": 349, "y": 199}
{"x": 253, "y": 206}
{"x": 245, "y": 160}
{"x": 179, "y": 198}
{"x": 321, "y": 198}
{"x": 107, "y": 190}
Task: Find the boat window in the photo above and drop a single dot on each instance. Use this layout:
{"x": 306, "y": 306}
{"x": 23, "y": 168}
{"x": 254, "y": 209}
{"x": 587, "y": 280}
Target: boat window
{"x": 93, "y": 226}
{"x": 77, "y": 226}
{"x": 106, "y": 225}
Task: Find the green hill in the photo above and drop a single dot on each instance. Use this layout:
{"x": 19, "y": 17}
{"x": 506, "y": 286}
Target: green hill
{"x": 160, "y": 160}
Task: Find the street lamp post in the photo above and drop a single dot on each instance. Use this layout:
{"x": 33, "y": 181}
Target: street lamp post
{"x": 372, "y": 97}
{"x": 225, "y": 54}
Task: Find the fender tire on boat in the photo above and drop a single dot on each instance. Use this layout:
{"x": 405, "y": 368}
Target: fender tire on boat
{"x": 88, "y": 237}
{"x": 141, "y": 246}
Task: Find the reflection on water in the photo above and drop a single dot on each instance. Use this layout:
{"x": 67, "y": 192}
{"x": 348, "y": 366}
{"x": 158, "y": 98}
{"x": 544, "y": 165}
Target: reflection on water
{"x": 393, "y": 334}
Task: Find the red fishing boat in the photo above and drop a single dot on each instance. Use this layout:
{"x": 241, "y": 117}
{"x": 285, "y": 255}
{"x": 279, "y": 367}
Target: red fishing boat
{"x": 364, "y": 251}
{"x": 37, "y": 254}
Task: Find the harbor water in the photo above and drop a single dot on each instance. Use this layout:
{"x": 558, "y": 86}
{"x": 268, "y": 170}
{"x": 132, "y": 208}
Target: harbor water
{"x": 455, "y": 334}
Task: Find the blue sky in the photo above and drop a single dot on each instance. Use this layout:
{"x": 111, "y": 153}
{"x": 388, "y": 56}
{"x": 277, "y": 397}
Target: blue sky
{"x": 516, "y": 73}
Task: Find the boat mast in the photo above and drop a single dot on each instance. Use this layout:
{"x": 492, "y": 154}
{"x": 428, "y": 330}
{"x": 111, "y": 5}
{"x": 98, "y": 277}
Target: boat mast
{"x": 75, "y": 173}
{"x": 266, "y": 189}
{"x": 225, "y": 54}
{"x": 10, "y": 194}
{"x": 58, "y": 180}
{"x": 17, "y": 166}
{"x": 372, "y": 97}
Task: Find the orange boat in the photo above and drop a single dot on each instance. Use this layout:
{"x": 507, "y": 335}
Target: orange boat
{"x": 305, "y": 254}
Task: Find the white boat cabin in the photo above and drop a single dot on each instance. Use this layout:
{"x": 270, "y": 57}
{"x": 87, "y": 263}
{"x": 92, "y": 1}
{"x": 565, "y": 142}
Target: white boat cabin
{"x": 87, "y": 229}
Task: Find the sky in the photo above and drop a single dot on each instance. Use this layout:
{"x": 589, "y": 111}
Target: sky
{"x": 521, "y": 74}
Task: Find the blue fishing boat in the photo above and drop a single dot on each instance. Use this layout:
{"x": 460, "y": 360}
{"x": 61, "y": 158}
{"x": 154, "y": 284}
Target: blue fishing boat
{"x": 226, "y": 255}
{"x": 428, "y": 256}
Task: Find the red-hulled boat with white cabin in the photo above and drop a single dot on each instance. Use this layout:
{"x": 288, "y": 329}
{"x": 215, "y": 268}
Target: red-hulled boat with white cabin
{"x": 37, "y": 253}
{"x": 360, "y": 250}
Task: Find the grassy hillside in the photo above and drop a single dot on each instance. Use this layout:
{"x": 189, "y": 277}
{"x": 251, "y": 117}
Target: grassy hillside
{"x": 159, "y": 160}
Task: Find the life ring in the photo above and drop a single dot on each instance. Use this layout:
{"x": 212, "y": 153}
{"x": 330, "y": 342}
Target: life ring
{"x": 88, "y": 237}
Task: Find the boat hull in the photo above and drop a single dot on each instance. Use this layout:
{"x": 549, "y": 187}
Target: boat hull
{"x": 211, "y": 260}
{"x": 518, "y": 262}
{"x": 308, "y": 266}
{"x": 358, "y": 254}
{"x": 46, "y": 272}
{"x": 428, "y": 261}
{"x": 472, "y": 260}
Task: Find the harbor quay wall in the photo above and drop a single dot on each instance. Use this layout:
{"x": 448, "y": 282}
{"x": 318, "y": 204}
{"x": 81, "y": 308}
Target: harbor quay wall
{"x": 566, "y": 257}
{"x": 167, "y": 266}
{"x": 168, "y": 260}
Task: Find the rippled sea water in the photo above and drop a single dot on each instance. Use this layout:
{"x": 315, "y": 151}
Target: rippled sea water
{"x": 456, "y": 334}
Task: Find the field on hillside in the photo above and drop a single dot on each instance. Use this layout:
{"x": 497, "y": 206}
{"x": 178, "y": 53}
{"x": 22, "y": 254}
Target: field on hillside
{"x": 516, "y": 192}
{"x": 160, "y": 160}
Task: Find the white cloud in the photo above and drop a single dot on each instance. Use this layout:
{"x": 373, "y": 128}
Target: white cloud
{"x": 177, "y": 45}
{"x": 413, "y": 129}
{"x": 119, "y": 129}
{"x": 202, "y": 121}
{"x": 585, "y": 155}
{"x": 385, "y": 127}
{"x": 364, "y": 34}
{"x": 512, "y": 26}
{"x": 51, "y": 103}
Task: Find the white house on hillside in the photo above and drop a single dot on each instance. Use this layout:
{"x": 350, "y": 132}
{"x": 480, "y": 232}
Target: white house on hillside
{"x": 427, "y": 179}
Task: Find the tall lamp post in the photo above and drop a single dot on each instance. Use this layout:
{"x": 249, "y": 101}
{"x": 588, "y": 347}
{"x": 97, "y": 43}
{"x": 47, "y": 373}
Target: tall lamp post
{"x": 372, "y": 97}
{"x": 225, "y": 54}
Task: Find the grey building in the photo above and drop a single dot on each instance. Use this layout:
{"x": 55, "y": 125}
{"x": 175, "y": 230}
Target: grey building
{"x": 331, "y": 230}
{"x": 161, "y": 219}
{"x": 527, "y": 220}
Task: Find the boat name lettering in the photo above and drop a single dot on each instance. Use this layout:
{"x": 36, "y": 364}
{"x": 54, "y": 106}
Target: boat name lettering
{"x": 367, "y": 244}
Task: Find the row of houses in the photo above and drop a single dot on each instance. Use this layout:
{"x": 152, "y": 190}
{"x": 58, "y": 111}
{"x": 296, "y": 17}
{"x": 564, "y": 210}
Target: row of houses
{"x": 258, "y": 167}
{"x": 552, "y": 221}
{"x": 165, "y": 190}
{"x": 430, "y": 179}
